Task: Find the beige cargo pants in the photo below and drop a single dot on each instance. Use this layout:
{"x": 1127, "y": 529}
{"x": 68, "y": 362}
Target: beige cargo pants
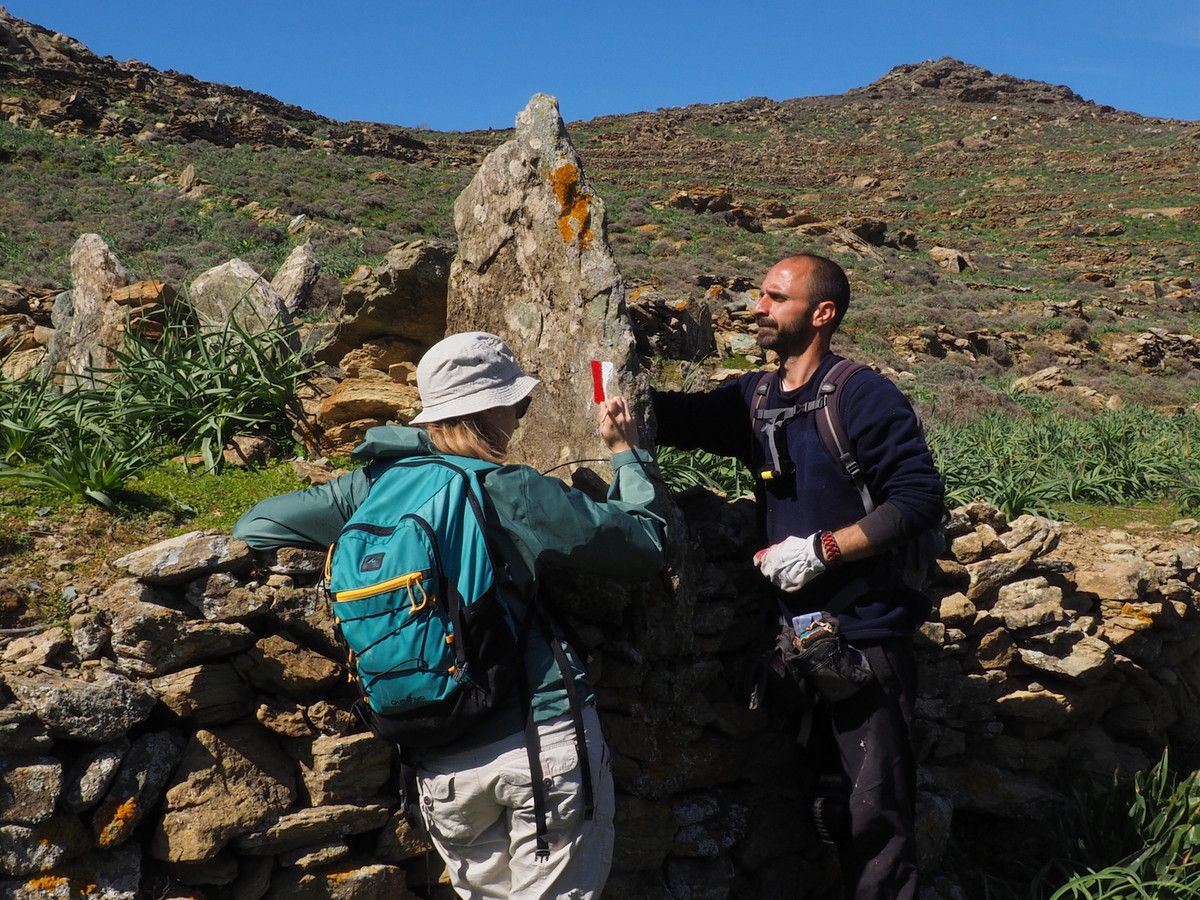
{"x": 478, "y": 805}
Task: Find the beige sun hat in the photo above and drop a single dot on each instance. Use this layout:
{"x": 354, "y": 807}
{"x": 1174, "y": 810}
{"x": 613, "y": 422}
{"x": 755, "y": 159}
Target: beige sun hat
{"x": 468, "y": 373}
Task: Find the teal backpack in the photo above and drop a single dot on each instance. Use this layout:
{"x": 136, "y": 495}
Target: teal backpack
{"x": 413, "y": 583}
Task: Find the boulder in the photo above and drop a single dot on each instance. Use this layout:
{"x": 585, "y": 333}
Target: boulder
{"x": 234, "y": 292}
{"x": 344, "y": 882}
{"x": 220, "y": 597}
{"x": 949, "y": 259}
{"x": 26, "y": 849}
{"x": 89, "y": 325}
{"x": 1023, "y": 604}
{"x": 152, "y": 638}
{"x": 94, "y": 876}
{"x": 91, "y": 774}
{"x": 401, "y": 840}
{"x": 297, "y": 276}
{"x": 533, "y": 232}
{"x": 1084, "y": 661}
{"x": 210, "y": 693}
{"x": 402, "y": 299}
{"x": 22, "y": 732}
{"x": 277, "y": 665}
{"x": 97, "y": 710}
{"x": 230, "y": 782}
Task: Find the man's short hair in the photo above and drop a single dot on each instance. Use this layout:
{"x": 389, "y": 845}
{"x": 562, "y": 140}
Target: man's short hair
{"x": 826, "y": 281}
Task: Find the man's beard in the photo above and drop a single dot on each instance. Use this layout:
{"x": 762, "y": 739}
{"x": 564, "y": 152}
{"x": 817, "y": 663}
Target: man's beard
{"x": 784, "y": 342}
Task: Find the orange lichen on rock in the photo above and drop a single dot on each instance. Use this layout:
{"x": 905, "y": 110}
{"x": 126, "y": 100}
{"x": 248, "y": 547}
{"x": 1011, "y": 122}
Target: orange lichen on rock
{"x": 118, "y": 823}
{"x": 45, "y": 883}
{"x": 575, "y": 208}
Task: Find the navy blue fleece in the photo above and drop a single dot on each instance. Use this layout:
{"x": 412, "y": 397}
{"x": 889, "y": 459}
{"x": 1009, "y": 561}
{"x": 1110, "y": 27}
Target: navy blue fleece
{"x": 891, "y": 449}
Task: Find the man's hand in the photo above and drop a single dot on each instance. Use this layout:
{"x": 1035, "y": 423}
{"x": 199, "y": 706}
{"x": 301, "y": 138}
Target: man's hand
{"x": 617, "y": 427}
{"x": 790, "y": 564}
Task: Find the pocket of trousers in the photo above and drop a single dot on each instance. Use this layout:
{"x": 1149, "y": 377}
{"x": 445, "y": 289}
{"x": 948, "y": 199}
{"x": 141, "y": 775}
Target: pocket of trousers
{"x": 561, "y": 781}
{"x": 444, "y": 815}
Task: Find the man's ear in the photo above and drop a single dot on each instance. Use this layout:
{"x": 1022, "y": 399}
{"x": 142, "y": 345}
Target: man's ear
{"x": 824, "y": 313}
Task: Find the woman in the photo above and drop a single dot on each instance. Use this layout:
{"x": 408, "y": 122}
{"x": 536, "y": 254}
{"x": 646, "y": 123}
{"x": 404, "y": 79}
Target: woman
{"x": 476, "y": 794}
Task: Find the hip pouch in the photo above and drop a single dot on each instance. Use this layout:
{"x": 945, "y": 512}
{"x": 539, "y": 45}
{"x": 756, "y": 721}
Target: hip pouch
{"x": 820, "y": 657}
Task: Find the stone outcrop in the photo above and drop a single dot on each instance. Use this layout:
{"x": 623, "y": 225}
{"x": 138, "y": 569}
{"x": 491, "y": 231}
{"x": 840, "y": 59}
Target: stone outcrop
{"x": 399, "y": 303}
{"x": 534, "y": 266}
{"x": 1054, "y": 380}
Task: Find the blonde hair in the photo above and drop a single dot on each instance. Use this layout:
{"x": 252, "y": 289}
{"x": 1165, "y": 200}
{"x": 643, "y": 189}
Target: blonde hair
{"x": 472, "y": 435}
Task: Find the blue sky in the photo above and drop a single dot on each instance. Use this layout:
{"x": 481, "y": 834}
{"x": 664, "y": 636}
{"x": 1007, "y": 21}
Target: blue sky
{"x": 460, "y": 65}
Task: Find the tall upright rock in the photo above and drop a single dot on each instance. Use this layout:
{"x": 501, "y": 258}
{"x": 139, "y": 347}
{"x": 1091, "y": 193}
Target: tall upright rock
{"x": 84, "y": 339}
{"x": 534, "y": 267}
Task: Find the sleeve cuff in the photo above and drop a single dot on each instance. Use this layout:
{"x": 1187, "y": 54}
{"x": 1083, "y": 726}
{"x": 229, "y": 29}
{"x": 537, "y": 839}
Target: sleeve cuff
{"x": 636, "y": 455}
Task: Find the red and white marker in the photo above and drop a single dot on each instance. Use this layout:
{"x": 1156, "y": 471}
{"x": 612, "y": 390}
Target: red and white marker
{"x": 602, "y": 373}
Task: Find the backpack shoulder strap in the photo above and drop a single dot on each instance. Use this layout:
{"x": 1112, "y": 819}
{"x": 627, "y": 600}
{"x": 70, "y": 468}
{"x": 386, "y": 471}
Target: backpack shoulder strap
{"x": 832, "y": 429}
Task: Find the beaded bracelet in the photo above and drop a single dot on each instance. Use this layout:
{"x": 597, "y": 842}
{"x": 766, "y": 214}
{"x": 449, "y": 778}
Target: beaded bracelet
{"x": 830, "y": 550}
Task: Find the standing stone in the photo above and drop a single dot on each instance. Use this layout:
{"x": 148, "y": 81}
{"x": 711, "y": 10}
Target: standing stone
{"x": 296, "y": 277}
{"x": 87, "y": 325}
{"x": 534, "y": 267}
{"x": 234, "y": 291}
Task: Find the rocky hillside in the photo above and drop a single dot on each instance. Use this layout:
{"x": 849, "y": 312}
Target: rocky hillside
{"x": 1008, "y": 213}
{"x": 53, "y": 81}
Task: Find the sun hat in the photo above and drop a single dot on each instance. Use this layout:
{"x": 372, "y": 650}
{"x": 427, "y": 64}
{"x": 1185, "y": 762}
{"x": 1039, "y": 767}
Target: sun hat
{"x": 467, "y": 373}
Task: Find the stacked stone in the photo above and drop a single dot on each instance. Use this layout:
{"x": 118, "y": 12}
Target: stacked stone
{"x": 1038, "y": 668}
{"x": 1159, "y": 349}
{"x": 189, "y": 733}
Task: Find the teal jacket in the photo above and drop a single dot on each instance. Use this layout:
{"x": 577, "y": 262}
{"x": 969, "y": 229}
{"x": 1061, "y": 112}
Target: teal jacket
{"x": 543, "y": 524}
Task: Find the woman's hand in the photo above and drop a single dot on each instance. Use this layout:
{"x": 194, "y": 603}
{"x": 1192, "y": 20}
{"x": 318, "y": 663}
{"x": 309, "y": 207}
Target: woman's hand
{"x": 617, "y": 427}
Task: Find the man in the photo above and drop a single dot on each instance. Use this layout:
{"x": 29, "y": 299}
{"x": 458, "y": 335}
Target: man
{"x": 825, "y": 552}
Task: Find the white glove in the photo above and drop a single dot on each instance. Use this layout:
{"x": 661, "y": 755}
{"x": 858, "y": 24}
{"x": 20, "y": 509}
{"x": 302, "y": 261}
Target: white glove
{"x": 792, "y": 563}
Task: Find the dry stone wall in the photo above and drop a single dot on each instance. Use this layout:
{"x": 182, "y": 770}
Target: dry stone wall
{"x": 189, "y": 733}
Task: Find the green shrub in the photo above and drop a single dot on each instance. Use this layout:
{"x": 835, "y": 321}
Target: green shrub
{"x": 1137, "y": 839}
{"x": 196, "y": 389}
{"x": 683, "y": 469}
{"x": 1031, "y": 464}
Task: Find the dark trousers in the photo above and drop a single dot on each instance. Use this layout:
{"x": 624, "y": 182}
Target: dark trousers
{"x": 868, "y": 734}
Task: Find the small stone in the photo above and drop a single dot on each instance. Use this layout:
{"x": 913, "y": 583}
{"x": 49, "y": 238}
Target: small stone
{"x": 343, "y": 769}
{"x": 29, "y": 788}
{"x": 137, "y": 788}
{"x": 90, "y": 775}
